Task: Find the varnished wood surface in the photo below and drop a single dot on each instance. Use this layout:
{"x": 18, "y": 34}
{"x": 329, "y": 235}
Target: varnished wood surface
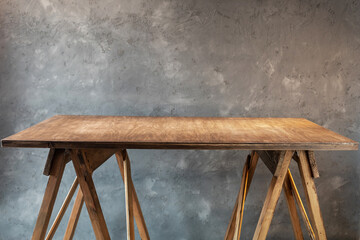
{"x": 71, "y": 131}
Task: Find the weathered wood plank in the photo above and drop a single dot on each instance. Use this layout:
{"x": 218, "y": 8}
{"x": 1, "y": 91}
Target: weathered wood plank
{"x": 192, "y": 146}
{"x": 68, "y": 131}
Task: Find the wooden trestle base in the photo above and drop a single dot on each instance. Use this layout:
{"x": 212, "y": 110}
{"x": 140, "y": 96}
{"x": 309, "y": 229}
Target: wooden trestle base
{"x": 86, "y": 161}
{"x": 278, "y": 163}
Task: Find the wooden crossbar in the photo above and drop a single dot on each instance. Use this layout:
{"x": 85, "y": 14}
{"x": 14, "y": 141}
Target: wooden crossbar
{"x": 74, "y": 216}
{"x": 62, "y": 210}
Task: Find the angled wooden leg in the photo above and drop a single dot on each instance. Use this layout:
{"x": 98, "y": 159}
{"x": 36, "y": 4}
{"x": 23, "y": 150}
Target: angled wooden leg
{"x": 74, "y": 217}
{"x": 139, "y": 218}
{"x": 90, "y": 196}
{"x": 56, "y": 173}
{"x": 62, "y": 210}
{"x": 301, "y": 206}
{"x": 292, "y": 208}
{"x": 311, "y": 196}
{"x": 231, "y": 227}
{"x": 126, "y": 172}
{"x": 272, "y": 196}
{"x": 229, "y": 235}
{"x": 128, "y": 199}
{"x": 252, "y": 167}
{"x": 241, "y": 201}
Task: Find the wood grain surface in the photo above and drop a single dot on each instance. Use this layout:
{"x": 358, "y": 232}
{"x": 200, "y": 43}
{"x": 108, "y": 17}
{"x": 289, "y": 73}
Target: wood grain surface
{"x": 71, "y": 131}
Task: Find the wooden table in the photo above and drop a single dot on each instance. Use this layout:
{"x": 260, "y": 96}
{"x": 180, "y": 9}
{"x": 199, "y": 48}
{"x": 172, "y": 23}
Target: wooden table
{"x": 88, "y": 141}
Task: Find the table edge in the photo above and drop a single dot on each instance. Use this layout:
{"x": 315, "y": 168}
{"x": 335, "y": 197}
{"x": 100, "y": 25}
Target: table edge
{"x": 146, "y": 145}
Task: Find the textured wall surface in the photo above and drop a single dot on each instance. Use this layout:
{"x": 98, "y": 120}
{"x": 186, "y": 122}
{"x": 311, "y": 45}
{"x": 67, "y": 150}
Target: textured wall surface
{"x": 180, "y": 58}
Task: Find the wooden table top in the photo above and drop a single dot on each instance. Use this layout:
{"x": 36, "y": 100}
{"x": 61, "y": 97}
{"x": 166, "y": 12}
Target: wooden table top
{"x": 70, "y": 131}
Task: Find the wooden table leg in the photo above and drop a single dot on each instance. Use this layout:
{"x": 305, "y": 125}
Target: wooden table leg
{"x": 272, "y": 196}
{"x": 229, "y": 235}
{"x": 241, "y": 202}
{"x": 301, "y": 206}
{"x": 139, "y": 218}
{"x": 47, "y": 205}
{"x": 128, "y": 199}
{"x": 74, "y": 216}
{"x": 92, "y": 203}
{"x": 251, "y": 170}
{"x": 311, "y": 196}
{"x": 292, "y": 208}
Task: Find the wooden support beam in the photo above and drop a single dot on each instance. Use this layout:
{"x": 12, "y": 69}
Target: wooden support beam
{"x": 49, "y": 161}
{"x": 139, "y": 218}
{"x": 272, "y": 196}
{"x": 96, "y": 157}
{"x": 90, "y": 196}
{"x": 301, "y": 206}
{"x": 74, "y": 216}
{"x": 62, "y": 210}
{"x": 241, "y": 199}
{"x": 231, "y": 227}
{"x": 311, "y": 196}
{"x": 52, "y": 188}
{"x": 279, "y": 158}
{"x": 229, "y": 235}
{"x": 268, "y": 158}
{"x": 252, "y": 167}
{"x": 314, "y": 169}
{"x": 292, "y": 208}
{"x": 128, "y": 199}
{"x": 296, "y": 157}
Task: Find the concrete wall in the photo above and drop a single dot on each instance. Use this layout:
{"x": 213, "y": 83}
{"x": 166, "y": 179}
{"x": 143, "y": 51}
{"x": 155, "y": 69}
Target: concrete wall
{"x": 180, "y": 58}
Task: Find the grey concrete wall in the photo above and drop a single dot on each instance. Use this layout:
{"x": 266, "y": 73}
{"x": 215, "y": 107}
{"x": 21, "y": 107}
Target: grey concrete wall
{"x": 180, "y": 58}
